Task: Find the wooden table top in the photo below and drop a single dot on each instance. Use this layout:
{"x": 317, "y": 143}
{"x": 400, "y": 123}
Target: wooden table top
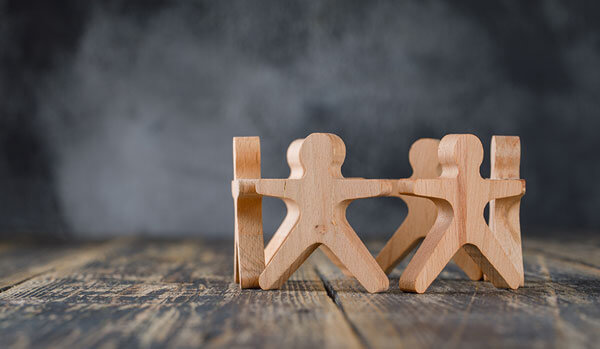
{"x": 137, "y": 292}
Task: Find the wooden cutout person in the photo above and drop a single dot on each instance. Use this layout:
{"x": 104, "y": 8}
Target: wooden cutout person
{"x": 504, "y": 213}
{"x": 317, "y": 195}
{"x": 461, "y": 195}
{"x": 248, "y": 246}
{"x": 422, "y": 214}
{"x": 296, "y": 172}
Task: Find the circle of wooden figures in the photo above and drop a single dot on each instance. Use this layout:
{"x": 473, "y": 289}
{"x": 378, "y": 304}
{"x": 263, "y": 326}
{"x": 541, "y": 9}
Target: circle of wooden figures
{"x": 445, "y": 196}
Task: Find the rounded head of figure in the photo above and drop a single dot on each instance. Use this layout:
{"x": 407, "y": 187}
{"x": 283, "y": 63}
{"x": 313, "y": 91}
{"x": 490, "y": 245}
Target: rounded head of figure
{"x": 460, "y": 153}
{"x": 423, "y": 158}
{"x": 323, "y": 152}
{"x": 506, "y": 156}
{"x": 293, "y": 158}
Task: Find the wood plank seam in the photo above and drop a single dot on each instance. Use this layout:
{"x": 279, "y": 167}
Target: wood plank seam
{"x": 332, "y": 294}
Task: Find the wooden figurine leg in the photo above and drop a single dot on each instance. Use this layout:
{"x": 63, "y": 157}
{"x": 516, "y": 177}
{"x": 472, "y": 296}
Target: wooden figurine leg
{"x": 467, "y": 265}
{"x": 397, "y": 248}
{"x": 495, "y": 263}
{"x": 333, "y": 258}
{"x": 292, "y": 252}
{"x": 286, "y": 226}
{"x": 236, "y": 265}
{"x": 505, "y": 218}
{"x": 250, "y": 250}
{"x": 435, "y": 252}
{"x": 282, "y": 232}
{"x": 352, "y": 253}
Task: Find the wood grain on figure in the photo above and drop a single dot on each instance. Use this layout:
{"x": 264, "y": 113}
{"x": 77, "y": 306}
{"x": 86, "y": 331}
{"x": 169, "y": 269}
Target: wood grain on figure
{"x": 504, "y": 213}
{"x": 317, "y": 195}
{"x": 296, "y": 172}
{"x": 293, "y": 159}
{"x": 249, "y": 256}
{"x": 460, "y": 195}
{"x": 422, "y": 214}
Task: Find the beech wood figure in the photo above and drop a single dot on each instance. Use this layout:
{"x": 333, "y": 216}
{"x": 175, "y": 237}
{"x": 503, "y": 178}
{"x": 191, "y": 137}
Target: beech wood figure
{"x": 249, "y": 260}
{"x": 317, "y": 195}
{"x": 504, "y": 213}
{"x": 422, "y": 214}
{"x": 461, "y": 195}
{"x": 296, "y": 172}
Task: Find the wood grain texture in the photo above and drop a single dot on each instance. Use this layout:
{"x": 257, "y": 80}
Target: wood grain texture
{"x": 579, "y": 247}
{"x": 175, "y": 294}
{"x": 504, "y": 220}
{"x": 157, "y": 293}
{"x": 422, "y": 214}
{"x": 461, "y": 195}
{"x": 249, "y": 256}
{"x": 20, "y": 262}
{"x": 317, "y": 196}
{"x": 559, "y": 307}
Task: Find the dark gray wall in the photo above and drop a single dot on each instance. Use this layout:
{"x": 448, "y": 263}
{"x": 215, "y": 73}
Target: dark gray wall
{"x": 117, "y": 117}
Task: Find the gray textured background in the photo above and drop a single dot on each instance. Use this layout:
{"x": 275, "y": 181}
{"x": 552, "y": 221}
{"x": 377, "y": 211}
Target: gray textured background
{"x": 117, "y": 116}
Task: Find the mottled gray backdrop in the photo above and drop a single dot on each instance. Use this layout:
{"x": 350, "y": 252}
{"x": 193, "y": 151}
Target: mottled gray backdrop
{"x": 117, "y": 116}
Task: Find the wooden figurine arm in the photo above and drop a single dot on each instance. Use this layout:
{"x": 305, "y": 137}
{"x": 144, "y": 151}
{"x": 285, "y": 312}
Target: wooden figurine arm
{"x": 243, "y": 187}
{"x": 504, "y": 188}
{"x": 358, "y": 188}
{"x": 430, "y": 188}
{"x": 279, "y": 188}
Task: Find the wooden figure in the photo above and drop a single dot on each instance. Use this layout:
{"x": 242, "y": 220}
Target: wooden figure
{"x": 461, "y": 195}
{"x": 249, "y": 257}
{"x": 317, "y": 195}
{"x": 422, "y": 214}
{"x": 296, "y": 172}
{"x": 504, "y": 213}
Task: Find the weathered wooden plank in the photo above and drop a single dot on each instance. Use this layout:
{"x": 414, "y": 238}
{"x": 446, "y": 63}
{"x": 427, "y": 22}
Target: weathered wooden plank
{"x": 558, "y": 307}
{"x": 18, "y": 257}
{"x": 20, "y": 261}
{"x": 585, "y": 249}
{"x": 571, "y": 294}
{"x": 160, "y": 293}
{"x": 180, "y": 293}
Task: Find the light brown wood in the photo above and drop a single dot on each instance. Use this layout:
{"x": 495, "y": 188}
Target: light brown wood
{"x": 317, "y": 195}
{"x": 504, "y": 213}
{"x": 293, "y": 159}
{"x": 177, "y": 293}
{"x": 160, "y": 293}
{"x": 249, "y": 256}
{"x": 422, "y": 214}
{"x": 461, "y": 195}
